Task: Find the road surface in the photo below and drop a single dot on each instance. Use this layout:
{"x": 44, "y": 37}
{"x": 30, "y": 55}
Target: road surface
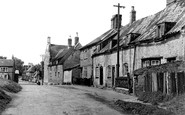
{"x": 59, "y": 100}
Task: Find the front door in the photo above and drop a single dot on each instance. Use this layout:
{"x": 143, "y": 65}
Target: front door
{"x": 113, "y": 75}
{"x": 101, "y": 75}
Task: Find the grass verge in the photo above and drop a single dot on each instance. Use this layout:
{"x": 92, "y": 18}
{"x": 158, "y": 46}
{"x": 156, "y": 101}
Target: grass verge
{"x": 141, "y": 109}
{"x": 9, "y": 86}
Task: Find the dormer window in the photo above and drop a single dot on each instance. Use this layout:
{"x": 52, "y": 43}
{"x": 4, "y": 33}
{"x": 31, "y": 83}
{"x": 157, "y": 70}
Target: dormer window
{"x": 131, "y": 37}
{"x": 163, "y": 28}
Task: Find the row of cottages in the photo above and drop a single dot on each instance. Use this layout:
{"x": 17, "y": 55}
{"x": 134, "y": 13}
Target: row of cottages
{"x": 147, "y": 42}
{"x": 62, "y": 62}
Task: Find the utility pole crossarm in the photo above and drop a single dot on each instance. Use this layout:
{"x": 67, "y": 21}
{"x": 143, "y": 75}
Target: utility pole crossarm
{"x": 119, "y": 6}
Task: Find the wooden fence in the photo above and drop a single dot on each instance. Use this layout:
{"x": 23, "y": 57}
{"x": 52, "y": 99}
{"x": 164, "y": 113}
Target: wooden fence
{"x": 166, "y": 82}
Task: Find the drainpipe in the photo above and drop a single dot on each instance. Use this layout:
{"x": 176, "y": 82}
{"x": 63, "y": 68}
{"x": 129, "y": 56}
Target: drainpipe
{"x": 133, "y": 69}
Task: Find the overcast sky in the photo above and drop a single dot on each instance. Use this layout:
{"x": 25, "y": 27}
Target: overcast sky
{"x": 26, "y": 24}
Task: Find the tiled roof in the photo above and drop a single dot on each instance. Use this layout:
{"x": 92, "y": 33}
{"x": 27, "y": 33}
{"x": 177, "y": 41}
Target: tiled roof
{"x": 146, "y": 27}
{"x": 73, "y": 60}
{"x": 98, "y": 39}
{"x": 6, "y": 62}
{"x": 54, "y": 49}
{"x": 65, "y": 54}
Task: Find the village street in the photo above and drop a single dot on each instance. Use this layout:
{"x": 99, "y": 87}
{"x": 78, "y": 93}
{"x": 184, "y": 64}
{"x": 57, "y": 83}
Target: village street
{"x": 64, "y": 100}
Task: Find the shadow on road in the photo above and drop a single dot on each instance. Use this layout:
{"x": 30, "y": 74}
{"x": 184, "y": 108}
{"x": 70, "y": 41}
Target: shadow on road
{"x": 110, "y": 104}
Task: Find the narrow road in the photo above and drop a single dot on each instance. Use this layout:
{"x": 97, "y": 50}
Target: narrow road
{"x": 61, "y": 100}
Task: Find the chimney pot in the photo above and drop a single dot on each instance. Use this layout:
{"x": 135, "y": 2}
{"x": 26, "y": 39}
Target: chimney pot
{"x": 69, "y": 42}
{"x": 76, "y": 38}
{"x": 132, "y": 15}
{"x": 49, "y": 40}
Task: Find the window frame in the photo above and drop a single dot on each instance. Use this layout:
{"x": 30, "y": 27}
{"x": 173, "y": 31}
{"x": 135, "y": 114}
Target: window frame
{"x": 149, "y": 61}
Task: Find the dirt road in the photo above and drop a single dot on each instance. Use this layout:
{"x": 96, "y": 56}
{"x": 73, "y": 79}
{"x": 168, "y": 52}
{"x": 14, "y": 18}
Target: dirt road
{"x": 62, "y": 100}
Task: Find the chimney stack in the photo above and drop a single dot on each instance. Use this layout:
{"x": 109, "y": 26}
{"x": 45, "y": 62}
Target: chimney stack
{"x": 114, "y": 21}
{"x": 69, "y": 42}
{"x": 132, "y": 15}
{"x": 76, "y": 38}
{"x": 49, "y": 40}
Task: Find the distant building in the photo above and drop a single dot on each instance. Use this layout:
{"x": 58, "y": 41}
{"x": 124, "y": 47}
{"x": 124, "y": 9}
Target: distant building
{"x": 50, "y": 53}
{"x": 59, "y": 59}
{"x": 6, "y": 69}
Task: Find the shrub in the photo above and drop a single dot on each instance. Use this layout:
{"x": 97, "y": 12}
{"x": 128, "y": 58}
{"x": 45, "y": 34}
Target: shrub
{"x": 141, "y": 109}
{"x": 154, "y": 97}
{"x": 4, "y": 100}
{"x": 10, "y": 86}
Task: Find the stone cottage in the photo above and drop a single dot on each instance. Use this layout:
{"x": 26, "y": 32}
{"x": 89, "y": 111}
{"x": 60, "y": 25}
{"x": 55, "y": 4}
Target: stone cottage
{"x": 50, "y": 53}
{"x": 7, "y": 69}
{"x": 152, "y": 40}
{"x": 59, "y": 54}
{"x": 87, "y": 51}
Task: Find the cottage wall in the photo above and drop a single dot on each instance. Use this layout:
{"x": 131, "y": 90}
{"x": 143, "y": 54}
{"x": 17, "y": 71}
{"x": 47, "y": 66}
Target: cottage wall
{"x": 107, "y": 62}
{"x": 60, "y": 73}
{"x": 85, "y": 56}
{"x": 56, "y": 74}
{"x": 174, "y": 47}
{"x": 86, "y": 61}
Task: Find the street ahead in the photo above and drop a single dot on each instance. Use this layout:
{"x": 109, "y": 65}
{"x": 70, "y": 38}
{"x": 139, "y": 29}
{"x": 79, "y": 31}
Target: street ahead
{"x": 62, "y": 100}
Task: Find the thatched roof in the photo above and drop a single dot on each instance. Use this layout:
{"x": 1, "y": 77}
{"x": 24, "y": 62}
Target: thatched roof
{"x": 54, "y": 49}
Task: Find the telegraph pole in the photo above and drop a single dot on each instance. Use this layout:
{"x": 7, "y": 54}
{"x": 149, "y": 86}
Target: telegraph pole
{"x": 118, "y": 27}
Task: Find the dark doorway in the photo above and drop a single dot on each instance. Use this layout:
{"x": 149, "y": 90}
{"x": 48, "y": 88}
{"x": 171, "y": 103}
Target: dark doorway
{"x": 101, "y": 75}
{"x": 113, "y": 75}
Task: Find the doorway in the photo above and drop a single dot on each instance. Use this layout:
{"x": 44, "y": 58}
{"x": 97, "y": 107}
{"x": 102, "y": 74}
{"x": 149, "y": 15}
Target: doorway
{"x": 113, "y": 76}
{"x": 101, "y": 75}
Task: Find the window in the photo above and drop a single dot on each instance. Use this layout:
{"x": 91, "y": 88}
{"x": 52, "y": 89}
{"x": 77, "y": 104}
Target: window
{"x": 6, "y": 69}
{"x": 163, "y": 28}
{"x": 3, "y": 69}
{"x": 146, "y": 63}
{"x": 151, "y": 61}
{"x": 109, "y": 72}
{"x": 97, "y": 72}
{"x": 58, "y": 74}
{"x": 125, "y": 69}
{"x": 132, "y": 36}
{"x": 171, "y": 59}
{"x": 155, "y": 62}
{"x": 85, "y": 72}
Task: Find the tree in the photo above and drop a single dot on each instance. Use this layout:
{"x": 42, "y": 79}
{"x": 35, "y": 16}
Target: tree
{"x": 19, "y": 65}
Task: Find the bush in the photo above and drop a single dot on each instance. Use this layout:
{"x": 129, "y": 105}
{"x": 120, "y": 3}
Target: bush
{"x": 154, "y": 97}
{"x": 10, "y": 86}
{"x": 141, "y": 109}
{"x": 4, "y": 100}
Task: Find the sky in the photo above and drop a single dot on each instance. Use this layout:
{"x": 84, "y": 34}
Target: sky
{"x": 26, "y": 24}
